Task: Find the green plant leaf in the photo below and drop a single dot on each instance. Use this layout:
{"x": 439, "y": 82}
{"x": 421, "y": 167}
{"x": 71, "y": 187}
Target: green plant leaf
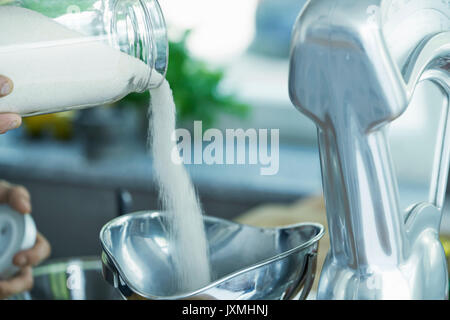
{"x": 55, "y": 8}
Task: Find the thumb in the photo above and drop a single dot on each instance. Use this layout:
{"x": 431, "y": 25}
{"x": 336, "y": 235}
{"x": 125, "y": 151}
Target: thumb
{"x": 6, "y": 86}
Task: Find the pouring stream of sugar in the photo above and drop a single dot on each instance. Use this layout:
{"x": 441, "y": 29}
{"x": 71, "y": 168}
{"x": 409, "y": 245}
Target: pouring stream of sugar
{"x": 52, "y": 78}
{"x": 179, "y": 200}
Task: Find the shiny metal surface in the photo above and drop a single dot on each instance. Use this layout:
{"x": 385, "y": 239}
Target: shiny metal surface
{"x": 70, "y": 279}
{"x": 355, "y": 67}
{"x": 247, "y": 263}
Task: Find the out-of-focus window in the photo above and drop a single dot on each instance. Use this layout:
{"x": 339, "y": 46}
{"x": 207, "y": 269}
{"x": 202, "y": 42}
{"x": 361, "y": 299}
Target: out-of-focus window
{"x": 221, "y": 30}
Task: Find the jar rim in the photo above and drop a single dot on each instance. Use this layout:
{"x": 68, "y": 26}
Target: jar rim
{"x": 146, "y": 35}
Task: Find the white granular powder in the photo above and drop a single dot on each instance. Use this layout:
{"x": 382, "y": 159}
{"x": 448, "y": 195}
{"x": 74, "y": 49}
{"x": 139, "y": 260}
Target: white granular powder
{"x": 51, "y": 78}
{"x": 186, "y": 230}
{"x": 54, "y": 68}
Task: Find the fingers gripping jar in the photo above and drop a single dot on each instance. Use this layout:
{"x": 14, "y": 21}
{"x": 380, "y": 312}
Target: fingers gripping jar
{"x": 64, "y": 55}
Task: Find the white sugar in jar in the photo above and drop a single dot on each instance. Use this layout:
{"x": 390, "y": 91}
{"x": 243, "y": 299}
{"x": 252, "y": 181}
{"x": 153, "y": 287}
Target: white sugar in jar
{"x": 68, "y": 58}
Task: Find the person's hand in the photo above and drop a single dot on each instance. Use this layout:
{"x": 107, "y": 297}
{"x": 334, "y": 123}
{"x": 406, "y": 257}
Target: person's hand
{"x": 18, "y": 198}
{"x": 8, "y": 121}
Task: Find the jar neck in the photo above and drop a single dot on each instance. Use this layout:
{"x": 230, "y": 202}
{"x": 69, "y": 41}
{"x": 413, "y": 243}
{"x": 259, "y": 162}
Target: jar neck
{"x": 138, "y": 29}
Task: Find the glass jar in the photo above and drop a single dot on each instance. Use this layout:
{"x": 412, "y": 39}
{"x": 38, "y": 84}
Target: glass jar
{"x": 63, "y": 54}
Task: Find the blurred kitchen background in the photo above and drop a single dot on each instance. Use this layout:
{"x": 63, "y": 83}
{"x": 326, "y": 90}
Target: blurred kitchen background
{"x": 229, "y": 68}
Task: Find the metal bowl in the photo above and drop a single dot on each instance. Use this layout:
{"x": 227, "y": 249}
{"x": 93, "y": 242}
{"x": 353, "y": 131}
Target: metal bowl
{"x": 70, "y": 279}
{"x": 247, "y": 262}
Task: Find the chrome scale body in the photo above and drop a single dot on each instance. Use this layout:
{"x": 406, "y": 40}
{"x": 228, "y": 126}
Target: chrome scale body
{"x": 355, "y": 67}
